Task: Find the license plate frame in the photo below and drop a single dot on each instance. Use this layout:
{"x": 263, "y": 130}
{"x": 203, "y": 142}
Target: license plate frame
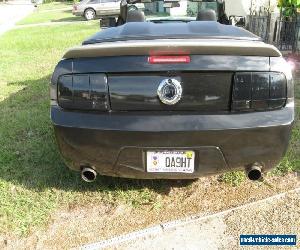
{"x": 170, "y": 161}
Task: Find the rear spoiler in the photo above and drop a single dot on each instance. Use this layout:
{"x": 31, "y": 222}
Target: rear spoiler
{"x": 175, "y": 46}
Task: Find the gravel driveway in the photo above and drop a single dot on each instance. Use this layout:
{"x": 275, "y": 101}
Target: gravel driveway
{"x": 13, "y": 11}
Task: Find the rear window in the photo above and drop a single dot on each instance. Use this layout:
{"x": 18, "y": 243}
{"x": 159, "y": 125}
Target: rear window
{"x": 185, "y": 9}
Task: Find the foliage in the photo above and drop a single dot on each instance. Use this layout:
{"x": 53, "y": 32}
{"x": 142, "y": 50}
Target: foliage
{"x": 288, "y": 3}
{"x": 233, "y": 178}
{"x": 288, "y": 8}
{"x": 29, "y": 159}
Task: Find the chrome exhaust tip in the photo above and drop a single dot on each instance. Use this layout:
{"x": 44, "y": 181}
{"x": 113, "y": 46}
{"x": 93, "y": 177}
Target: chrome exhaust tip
{"x": 254, "y": 173}
{"x": 88, "y": 174}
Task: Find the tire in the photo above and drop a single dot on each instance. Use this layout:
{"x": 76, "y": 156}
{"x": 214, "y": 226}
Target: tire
{"x": 132, "y": 7}
{"x": 89, "y": 14}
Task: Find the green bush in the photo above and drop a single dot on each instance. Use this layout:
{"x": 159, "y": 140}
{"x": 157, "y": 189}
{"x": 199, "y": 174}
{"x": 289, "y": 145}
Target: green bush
{"x": 288, "y": 8}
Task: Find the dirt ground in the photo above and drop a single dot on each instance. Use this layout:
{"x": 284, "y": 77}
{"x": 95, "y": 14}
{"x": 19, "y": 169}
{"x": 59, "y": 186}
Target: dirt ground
{"x": 75, "y": 227}
{"x": 278, "y": 214}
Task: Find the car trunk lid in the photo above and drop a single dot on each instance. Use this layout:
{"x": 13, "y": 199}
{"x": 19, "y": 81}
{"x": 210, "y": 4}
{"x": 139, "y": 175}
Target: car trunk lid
{"x": 201, "y": 91}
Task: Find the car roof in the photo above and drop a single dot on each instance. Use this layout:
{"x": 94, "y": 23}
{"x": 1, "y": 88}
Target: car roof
{"x": 170, "y": 30}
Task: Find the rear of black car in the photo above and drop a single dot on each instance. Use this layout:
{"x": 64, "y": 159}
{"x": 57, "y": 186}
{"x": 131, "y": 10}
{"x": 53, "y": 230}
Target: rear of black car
{"x": 235, "y": 112}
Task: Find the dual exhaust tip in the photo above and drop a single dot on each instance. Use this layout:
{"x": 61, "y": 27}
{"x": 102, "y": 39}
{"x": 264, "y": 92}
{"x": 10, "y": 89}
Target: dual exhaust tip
{"x": 253, "y": 173}
{"x": 88, "y": 174}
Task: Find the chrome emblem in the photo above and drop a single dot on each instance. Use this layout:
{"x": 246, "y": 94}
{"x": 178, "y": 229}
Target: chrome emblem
{"x": 169, "y": 91}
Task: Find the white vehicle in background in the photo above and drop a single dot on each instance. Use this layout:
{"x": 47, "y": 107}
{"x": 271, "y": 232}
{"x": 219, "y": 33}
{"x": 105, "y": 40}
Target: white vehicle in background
{"x": 90, "y": 9}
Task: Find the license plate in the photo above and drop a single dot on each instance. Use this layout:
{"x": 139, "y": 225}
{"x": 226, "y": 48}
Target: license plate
{"x": 170, "y": 161}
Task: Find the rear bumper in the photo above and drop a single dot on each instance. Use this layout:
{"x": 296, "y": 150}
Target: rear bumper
{"x": 116, "y": 144}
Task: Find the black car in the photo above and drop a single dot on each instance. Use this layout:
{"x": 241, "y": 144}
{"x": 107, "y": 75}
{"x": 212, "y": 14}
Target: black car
{"x": 170, "y": 99}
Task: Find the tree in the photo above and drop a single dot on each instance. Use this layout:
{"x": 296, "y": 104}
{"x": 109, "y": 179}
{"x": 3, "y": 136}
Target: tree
{"x": 288, "y": 8}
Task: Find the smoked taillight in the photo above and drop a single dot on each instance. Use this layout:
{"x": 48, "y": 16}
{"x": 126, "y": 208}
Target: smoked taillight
{"x": 83, "y": 92}
{"x": 259, "y": 91}
{"x": 168, "y": 59}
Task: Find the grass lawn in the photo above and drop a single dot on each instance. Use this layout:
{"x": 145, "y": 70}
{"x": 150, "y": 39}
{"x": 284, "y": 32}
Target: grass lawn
{"x": 33, "y": 179}
{"x": 55, "y": 6}
{"x": 292, "y": 160}
{"x": 52, "y": 12}
{"x": 31, "y": 169}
